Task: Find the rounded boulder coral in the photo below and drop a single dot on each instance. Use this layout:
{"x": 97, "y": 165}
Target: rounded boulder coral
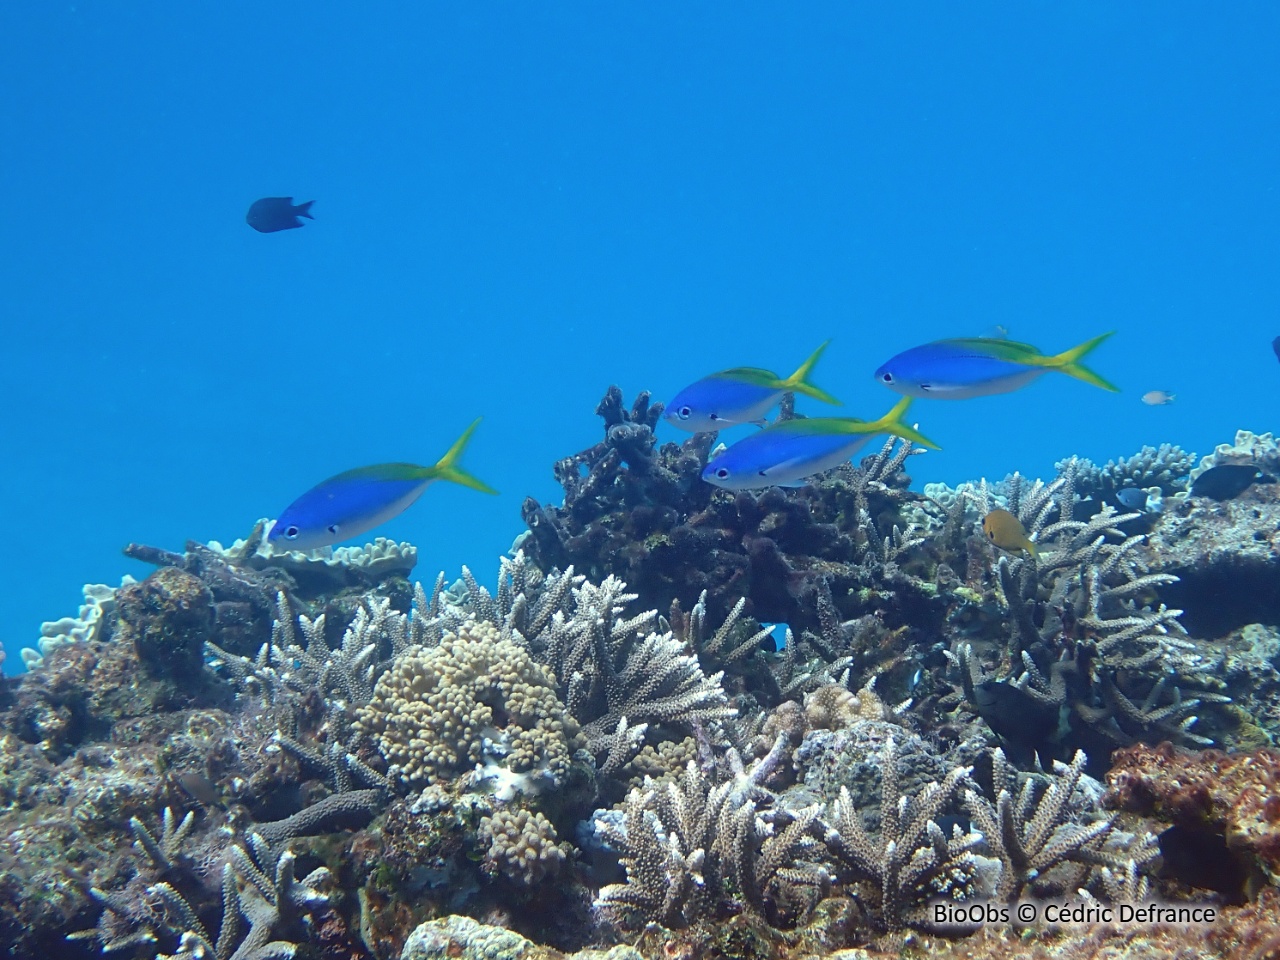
{"x": 475, "y": 702}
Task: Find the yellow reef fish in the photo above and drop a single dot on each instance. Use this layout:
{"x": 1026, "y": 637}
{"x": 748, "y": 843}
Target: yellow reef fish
{"x": 1007, "y": 532}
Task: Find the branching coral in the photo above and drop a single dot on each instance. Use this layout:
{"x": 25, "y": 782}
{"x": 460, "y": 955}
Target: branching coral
{"x": 1167, "y": 467}
{"x": 1094, "y": 663}
{"x": 694, "y": 849}
{"x": 1032, "y": 831}
{"x": 258, "y": 887}
{"x": 521, "y": 845}
{"x": 652, "y": 522}
{"x": 912, "y": 860}
{"x": 615, "y": 673}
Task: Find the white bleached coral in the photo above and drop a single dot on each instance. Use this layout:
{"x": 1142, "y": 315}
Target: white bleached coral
{"x": 475, "y": 701}
{"x": 1259, "y": 450}
{"x": 379, "y": 558}
{"x": 99, "y": 602}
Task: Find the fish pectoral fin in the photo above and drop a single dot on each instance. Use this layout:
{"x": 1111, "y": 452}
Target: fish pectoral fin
{"x": 781, "y": 469}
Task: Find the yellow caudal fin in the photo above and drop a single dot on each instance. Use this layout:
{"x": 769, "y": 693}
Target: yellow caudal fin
{"x": 447, "y": 467}
{"x": 892, "y": 422}
{"x": 798, "y": 382}
{"x": 1069, "y": 363}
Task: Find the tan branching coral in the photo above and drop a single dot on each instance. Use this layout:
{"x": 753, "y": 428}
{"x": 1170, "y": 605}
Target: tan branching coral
{"x": 475, "y": 699}
{"x": 1032, "y": 829}
{"x": 694, "y": 849}
{"x": 912, "y": 860}
{"x": 521, "y": 845}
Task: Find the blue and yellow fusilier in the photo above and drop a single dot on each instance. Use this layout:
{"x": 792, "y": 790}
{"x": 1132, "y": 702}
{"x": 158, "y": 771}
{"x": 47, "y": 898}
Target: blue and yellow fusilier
{"x": 980, "y": 367}
{"x": 784, "y": 454}
{"x": 740, "y": 395}
{"x": 351, "y": 503}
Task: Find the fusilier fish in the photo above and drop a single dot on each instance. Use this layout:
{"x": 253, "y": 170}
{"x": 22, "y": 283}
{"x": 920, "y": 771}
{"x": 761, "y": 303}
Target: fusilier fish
{"x": 980, "y": 367}
{"x": 784, "y": 454}
{"x": 271, "y": 214}
{"x": 740, "y": 395}
{"x": 1158, "y": 398}
{"x": 354, "y": 502}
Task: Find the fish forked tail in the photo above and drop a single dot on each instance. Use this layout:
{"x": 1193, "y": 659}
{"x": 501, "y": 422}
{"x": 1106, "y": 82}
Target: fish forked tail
{"x": 893, "y": 423}
{"x": 447, "y": 468}
{"x": 1069, "y": 363}
{"x": 799, "y": 382}
{"x": 304, "y": 210}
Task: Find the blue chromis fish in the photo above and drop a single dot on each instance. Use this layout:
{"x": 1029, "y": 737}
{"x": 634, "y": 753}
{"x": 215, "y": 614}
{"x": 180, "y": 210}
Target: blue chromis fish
{"x": 980, "y": 367}
{"x": 740, "y": 395}
{"x": 351, "y": 503}
{"x": 271, "y": 214}
{"x": 784, "y": 454}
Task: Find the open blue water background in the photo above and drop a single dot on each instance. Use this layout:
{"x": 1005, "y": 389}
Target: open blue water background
{"x": 517, "y": 205}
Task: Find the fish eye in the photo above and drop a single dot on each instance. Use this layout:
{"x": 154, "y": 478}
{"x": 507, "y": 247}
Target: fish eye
{"x": 723, "y": 473}
{"x": 684, "y": 413}
{"x": 291, "y": 533}
{"x": 713, "y": 416}
{"x": 887, "y": 377}
{"x": 333, "y": 528}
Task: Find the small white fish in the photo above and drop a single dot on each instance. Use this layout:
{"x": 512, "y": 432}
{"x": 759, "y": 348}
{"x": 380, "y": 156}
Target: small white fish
{"x": 1158, "y": 398}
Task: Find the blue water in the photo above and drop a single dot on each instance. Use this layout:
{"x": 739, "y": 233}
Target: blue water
{"x": 517, "y": 205}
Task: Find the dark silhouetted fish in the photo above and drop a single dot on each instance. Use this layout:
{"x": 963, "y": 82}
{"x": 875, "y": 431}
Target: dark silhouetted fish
{"x": 1226, "y": 481}
{"x": 277, "y": 213}
{"x": 1275, "y": 345}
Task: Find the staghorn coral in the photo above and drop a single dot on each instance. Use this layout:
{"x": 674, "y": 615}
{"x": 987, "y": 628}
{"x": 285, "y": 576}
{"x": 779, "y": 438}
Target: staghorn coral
{"x": 1094, "y": 660}
{"x": 912, "y": 860}
{"x": 1033, "y": 832}
{"x": 617, "y": 676}
{"x": 287, "y": 667}
{"x": 475, "y": 700}
{"x": 259, "y": 887}
{"x": 694, "y": 849}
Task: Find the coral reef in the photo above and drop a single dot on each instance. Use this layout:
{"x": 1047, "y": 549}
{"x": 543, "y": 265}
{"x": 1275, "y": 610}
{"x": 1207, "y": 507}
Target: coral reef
{"x": 1167, "y": 467}
{"x": 252, "y": 754}
{"x": 642, "y": 514}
